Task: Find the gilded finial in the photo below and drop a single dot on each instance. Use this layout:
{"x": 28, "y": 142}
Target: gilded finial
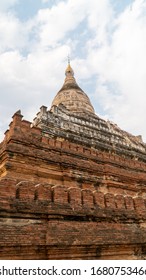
{"x": 69, "y": 71}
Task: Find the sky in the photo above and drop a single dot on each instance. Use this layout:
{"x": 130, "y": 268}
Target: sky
{"x": 106, "y": 42}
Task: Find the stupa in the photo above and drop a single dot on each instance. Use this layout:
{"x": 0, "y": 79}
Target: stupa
{"x": 72, "y": 185}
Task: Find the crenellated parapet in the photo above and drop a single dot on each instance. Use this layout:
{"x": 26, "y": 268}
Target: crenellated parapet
{"x": 29, "y": 197}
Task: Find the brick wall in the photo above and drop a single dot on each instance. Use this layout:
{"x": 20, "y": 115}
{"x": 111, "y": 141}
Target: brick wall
{"x": 63, "y": 200}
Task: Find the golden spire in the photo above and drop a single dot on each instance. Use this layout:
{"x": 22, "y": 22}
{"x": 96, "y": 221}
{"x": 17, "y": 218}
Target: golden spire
{"x": 71, "y": 95}
{"x": 69, "y": 71}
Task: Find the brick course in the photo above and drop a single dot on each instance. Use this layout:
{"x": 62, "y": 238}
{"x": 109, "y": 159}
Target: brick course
{"x": 64, "y": 200}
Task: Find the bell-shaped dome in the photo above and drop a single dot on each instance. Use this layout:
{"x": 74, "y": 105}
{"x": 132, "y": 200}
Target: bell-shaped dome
{"x": 72, "y": 96}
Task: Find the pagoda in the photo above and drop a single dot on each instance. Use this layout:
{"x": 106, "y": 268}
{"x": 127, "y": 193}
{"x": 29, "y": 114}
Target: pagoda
{"x": 72, "y": 185}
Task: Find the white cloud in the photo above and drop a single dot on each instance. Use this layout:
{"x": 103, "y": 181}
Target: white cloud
{"x": 99, "y": 20}
{"x": 120, "y": 64}
{"x": 27, "y": 83}
{"x": 129, "y": 67}
{"x": 113, "y": 50}
{"x": 12, "y": 33}
{"x": 55, "y": 23}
